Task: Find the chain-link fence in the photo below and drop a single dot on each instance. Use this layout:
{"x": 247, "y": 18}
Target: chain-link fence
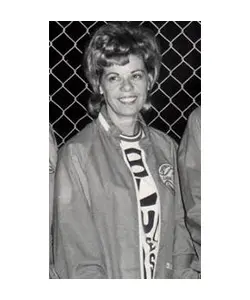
{"x": 175, "y": 95}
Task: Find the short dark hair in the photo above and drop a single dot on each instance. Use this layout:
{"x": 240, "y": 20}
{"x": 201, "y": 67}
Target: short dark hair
{"x": 112, "y": 44}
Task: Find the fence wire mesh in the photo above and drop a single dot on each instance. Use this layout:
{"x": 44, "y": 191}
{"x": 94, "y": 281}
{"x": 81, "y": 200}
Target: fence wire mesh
{"x": 175, "y": 95}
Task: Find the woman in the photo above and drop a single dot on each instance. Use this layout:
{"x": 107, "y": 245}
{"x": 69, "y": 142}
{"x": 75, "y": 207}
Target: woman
{"x": 117, "y": 191}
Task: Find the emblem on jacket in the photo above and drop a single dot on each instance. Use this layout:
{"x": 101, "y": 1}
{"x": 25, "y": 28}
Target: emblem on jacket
{"x": 166, "y": 173}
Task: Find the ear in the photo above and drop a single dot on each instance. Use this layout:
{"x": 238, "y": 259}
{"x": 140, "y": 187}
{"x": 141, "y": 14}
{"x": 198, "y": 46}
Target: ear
{"x": 150, "y": 81}
{"x": 100, "y": 90}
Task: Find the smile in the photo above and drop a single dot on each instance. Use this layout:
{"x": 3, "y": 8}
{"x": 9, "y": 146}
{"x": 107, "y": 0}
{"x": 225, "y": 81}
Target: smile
{"x": 127, "y": 100}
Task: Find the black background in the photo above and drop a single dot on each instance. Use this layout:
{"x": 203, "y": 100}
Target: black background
{"x": 174, "y": 97}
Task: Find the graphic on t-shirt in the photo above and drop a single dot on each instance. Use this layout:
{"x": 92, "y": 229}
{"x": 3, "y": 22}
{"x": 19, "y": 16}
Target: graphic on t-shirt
{"x": 148, "y": 206}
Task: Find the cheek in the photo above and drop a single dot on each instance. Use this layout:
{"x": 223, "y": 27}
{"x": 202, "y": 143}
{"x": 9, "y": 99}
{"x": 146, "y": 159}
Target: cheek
{"x": 110, "y": 89}
{"x": 142, "y": 87}
{"x": 110, "y": 94}
{"x": 106, "y": 90}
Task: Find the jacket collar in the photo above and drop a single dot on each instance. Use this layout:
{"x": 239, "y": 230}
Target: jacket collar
{"x": 106, "y": 123}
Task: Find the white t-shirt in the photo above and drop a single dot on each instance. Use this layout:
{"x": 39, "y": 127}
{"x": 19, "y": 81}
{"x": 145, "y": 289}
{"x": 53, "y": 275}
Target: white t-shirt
{"x": 148, "y": 203}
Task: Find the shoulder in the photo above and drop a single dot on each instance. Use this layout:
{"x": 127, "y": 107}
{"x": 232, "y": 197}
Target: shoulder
{"x": 162, "y": 138}
{"x": 81, "y": 143}
{"x": 52, "y": 149}
{"x": 196, "y": 113}
{"x": 192, "y": 132}
{"x": 194, "y": 119}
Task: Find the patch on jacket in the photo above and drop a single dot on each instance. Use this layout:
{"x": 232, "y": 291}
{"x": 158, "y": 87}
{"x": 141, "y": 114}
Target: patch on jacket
{"x": 169, "y": 266}
{"x": 166, "y": 173}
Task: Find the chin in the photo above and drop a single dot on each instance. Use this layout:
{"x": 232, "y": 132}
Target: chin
{"x": 130, "y": 111}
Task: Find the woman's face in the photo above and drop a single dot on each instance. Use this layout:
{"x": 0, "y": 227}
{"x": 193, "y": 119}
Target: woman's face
{"x": 125, "y": 87}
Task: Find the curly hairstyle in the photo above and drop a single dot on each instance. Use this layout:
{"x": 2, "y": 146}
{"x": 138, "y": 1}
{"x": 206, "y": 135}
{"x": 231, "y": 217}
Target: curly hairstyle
{"x": 112, "y": 44}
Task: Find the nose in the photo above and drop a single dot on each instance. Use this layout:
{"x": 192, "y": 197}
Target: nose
{"x": 126, "y": 85}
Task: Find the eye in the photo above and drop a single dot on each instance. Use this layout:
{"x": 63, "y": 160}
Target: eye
{"x": 113, "y": 78}
{"x": 137, "y": 76}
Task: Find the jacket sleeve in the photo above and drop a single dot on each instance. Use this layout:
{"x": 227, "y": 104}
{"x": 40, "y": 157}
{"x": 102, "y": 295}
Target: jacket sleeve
{"x": 189, "y": 165}
{"x": 52, "y": 168}
{"x": 184, "y": 253}
{"x": 77, "y": 248}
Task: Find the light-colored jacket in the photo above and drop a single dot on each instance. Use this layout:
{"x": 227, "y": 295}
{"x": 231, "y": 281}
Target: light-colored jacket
{"x": 52, "y": 169}
{"x": 96, "y": 233}
{"x": 189, "y": 162}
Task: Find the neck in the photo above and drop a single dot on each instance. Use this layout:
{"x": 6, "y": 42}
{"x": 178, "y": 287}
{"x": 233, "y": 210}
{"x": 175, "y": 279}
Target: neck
{"x": 127, "y": 124}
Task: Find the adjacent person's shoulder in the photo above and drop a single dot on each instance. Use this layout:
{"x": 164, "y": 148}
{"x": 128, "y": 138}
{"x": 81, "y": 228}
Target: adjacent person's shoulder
{"x": 195, "y": 117}
{"x": 52, "y": 150}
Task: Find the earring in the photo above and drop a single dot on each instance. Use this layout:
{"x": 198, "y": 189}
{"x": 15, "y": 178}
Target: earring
{"x": 147, "y": 105}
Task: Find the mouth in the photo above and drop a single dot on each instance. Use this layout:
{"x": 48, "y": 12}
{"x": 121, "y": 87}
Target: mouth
{"x": 127, "y": 100}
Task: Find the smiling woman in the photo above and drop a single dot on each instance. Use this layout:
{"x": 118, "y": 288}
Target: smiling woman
{"x": 118, "y": 209}
{"x": 125, "y": 91}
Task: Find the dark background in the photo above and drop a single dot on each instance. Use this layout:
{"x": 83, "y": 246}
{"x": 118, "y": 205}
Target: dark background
{"x": 175, "y": 95}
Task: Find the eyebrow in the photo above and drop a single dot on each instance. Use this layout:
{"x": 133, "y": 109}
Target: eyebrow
{"x": 115, "y": 73}
{"x": 111, "y": 73}
{"x": 138, "y": 70}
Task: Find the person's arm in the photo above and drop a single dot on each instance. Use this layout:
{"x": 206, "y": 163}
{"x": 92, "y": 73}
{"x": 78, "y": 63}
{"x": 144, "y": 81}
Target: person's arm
{"x": 184, "y": 253}
{"x": 190, "y": 177}
{"x": 76, "y": 244}
{"x": 52, "y": 168}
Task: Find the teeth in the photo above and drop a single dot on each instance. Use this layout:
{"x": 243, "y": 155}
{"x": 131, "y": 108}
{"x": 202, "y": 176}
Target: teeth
{"x": 127, "y": 99}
